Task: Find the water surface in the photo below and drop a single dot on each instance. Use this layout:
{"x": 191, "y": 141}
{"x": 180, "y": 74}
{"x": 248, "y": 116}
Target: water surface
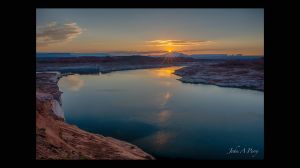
{"x": 165, "y": 117}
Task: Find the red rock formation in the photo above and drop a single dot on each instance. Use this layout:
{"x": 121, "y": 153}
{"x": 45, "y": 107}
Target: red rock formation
{"x": 56, "y": 139}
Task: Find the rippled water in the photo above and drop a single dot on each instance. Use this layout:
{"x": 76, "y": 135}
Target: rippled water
{"x": 165, "y": 117}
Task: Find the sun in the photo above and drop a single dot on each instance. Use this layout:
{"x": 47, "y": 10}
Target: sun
{"x": 169, "y": 50}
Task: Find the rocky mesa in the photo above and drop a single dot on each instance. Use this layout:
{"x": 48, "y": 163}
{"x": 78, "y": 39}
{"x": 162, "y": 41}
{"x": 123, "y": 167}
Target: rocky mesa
{"x": 56, "y": 139}
{"x": 231, "y": 73}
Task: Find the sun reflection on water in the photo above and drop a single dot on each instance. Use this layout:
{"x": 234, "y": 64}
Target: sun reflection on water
{"x": 164, "y": 115}
{"x": 165, "y": 72}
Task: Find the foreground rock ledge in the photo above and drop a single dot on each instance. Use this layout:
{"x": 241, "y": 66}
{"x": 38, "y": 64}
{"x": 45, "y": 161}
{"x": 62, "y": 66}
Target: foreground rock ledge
{"x": 56, "y": 139}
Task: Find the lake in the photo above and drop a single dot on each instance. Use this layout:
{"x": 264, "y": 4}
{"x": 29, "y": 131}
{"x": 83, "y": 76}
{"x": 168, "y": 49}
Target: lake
{"x": 165, "y": 117}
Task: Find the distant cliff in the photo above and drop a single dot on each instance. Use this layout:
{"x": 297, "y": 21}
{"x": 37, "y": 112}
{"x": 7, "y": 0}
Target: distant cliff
{"x": 56, "y": 139}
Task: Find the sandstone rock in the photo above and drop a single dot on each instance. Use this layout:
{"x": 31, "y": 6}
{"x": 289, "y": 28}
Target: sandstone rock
{"x": 56, "y": 139}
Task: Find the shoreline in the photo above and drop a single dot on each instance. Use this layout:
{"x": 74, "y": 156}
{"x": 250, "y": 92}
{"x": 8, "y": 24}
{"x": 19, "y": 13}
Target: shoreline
{"x": 243, "y": 74}
{"x": 56, "y": 139}
{"x": 52, "y": 130}
{"x": 92, "y": 69}
{"x": 242, "y": 77}
{"x": 231, "y": 74}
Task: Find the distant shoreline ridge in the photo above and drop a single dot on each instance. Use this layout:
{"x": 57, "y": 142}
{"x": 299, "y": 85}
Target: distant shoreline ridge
{"x": 167, "y": 54}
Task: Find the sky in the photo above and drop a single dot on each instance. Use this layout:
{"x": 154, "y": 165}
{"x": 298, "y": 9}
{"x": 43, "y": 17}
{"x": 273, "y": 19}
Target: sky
{"x": 151, "y": 31}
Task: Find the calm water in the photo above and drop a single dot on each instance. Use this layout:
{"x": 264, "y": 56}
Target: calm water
{"x": 165, "y": 117}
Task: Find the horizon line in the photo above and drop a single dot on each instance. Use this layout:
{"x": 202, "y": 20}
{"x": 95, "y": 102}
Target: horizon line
{"x": 139, "y": 54}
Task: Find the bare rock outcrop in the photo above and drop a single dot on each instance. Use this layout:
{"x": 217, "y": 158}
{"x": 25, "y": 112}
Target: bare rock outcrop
{"x": 232, "y": 73}
{"x": 56, "y": 139}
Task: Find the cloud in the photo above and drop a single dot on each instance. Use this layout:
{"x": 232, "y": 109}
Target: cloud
{"x": 57, "y": 33}
{"x": 209, "y": 49}
{"x": 177, "y": 42}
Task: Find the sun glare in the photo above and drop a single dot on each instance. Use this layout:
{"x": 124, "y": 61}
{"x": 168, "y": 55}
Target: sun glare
{"x": 165, "y": 72}
{"x": 169, "y": 50}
